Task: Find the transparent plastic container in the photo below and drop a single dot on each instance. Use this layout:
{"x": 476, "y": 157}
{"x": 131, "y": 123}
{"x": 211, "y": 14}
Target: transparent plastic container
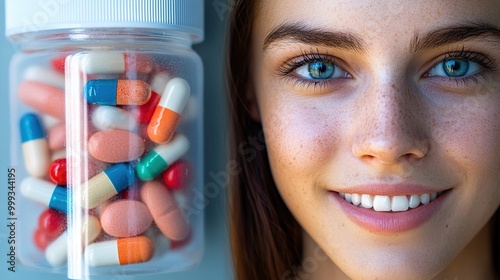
{"x": 106, "y": 132}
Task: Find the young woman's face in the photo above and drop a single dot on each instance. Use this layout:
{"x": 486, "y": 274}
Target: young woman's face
{"x": 389, "y": 104}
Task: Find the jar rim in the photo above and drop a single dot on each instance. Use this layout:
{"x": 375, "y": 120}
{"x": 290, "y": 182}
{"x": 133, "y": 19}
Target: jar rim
{"x": 172, "y": 15}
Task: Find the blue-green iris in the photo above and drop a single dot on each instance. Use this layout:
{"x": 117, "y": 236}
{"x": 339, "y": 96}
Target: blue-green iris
{"x": 456, "y": 67}
{"x": 321, "y": 70}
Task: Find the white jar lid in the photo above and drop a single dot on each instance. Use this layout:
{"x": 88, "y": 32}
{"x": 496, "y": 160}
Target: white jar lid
{"x": 26, "y": 16}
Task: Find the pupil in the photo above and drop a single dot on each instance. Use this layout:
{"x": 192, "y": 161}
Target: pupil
{"x": 456, "y": 67}
{"x": 320, "y": 70}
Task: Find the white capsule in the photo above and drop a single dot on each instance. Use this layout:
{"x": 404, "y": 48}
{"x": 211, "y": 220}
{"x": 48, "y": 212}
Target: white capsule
{"x": 167, "y": 114}
{"x": 159, "y": 82}
{"x": 158, "y": 159}
{"x": 110, "y": 117}
{"x": 103, "y": 62}
{"x": 57, "y": 252}
{"x": 175, "y": 95}
{"x": 121, "y": 251}
{"x": 46, "y": 193}
{"x": 36, "y": 157}
{"x": 45, "y": 75}
{"x": 110, "y": 62}
{"x": 34, "y": 145}
{"x": 37, "y": 190}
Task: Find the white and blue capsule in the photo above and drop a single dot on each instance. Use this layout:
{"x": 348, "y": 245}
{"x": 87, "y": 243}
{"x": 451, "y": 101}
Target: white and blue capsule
{"x": 34, "y": 145}
{"x": 46, "y": 193}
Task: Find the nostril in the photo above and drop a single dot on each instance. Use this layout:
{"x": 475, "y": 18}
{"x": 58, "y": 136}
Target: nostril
{"x": 390, "y": 151}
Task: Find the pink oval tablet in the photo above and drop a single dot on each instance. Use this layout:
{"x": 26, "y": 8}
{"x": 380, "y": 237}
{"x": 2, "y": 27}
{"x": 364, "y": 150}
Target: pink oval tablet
{"x": 116, "y": 146}
{"x": 125, "y": 218}
{"x": 163, "y": 207}
{"x": 57, "y": 137}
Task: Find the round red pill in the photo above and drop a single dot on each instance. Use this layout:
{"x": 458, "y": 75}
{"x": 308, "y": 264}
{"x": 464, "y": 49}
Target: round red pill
{"x": 41, "y": 239}
{"x": 57, "y": 171}
{"x": 58, "y": 64}
{"x": 178, "y": 175}
{"x": 52, "y": 222}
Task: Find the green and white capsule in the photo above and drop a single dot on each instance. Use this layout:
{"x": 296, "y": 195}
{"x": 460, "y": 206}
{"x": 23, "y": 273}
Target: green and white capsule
{"x": 161, "y": 157}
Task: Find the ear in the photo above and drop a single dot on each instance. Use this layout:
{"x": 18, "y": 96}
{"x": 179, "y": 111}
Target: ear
{"x": 251, "y": 102}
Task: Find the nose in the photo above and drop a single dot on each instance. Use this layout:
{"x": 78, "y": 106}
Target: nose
{"x": 390, "y": 129}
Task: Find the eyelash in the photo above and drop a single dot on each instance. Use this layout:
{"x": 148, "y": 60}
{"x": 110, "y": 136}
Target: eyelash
{"x": 285, "y": 69}
{"x": 487, "y": 65}
{"x": 308, "y": 57}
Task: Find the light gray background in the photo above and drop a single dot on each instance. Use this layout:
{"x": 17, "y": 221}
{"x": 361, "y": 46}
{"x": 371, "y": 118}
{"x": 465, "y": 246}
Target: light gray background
{"x": 216, "y": 262}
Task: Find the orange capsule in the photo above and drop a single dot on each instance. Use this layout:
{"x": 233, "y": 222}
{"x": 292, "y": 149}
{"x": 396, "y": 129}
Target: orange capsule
{"x": 121, "y": 251}
{"x": 117, "y": 92}
{"x": 168, "y": 112}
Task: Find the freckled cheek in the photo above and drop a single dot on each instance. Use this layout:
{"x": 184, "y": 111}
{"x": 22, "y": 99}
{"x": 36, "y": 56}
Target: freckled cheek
{"x": 474, "y": 143}
{"x": 299, "y": 144}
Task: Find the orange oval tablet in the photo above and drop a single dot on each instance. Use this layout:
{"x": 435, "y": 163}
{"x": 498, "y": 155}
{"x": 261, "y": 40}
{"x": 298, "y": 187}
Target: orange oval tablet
{"x": 42, "y": 97}
{"x": 163, "y": 207}
{"x": 116, "y": 146}
{"x": 125, "y": 218}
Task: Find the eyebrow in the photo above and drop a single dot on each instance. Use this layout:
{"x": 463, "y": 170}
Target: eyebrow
{"x": 316, "y": 36}
{"x": 313, "y": 36}
{"x": 454, "y": 34}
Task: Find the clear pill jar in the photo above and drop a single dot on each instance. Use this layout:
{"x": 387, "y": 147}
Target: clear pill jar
{"x": 106, "y": 134}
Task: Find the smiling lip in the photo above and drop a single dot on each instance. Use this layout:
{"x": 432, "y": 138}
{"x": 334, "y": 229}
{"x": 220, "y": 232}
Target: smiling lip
{"x": 390, "y": 222}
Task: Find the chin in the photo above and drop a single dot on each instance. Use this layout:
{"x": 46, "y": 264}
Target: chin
{"x": 405, "y": 263}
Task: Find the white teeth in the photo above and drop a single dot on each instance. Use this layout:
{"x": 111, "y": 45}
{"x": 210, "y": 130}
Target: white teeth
{"x": 414, "y": 201}
{"x": 382, "y": 203}
{"x": 399, "y": 203}
{"x": 386, "y": 203}
{"x": 366, "y": 201}
{"x": 425, "y": 198}
{"x": 356, "y": 199}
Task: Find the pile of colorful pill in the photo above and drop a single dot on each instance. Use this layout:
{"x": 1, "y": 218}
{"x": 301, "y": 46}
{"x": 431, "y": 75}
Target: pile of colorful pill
{"x": 133, "y": 157}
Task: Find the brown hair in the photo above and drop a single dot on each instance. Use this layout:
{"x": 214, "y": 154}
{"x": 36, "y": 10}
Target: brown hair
{"x": 266, "y": 240}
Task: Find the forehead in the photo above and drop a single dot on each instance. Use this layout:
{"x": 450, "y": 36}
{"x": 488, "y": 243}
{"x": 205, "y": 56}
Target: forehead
{"x": 374, "y": 20}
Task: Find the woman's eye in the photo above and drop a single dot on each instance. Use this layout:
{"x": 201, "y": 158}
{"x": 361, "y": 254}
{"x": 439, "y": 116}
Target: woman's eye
{"x": 320, "y": 70}
{"x": 455, "y": 68}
